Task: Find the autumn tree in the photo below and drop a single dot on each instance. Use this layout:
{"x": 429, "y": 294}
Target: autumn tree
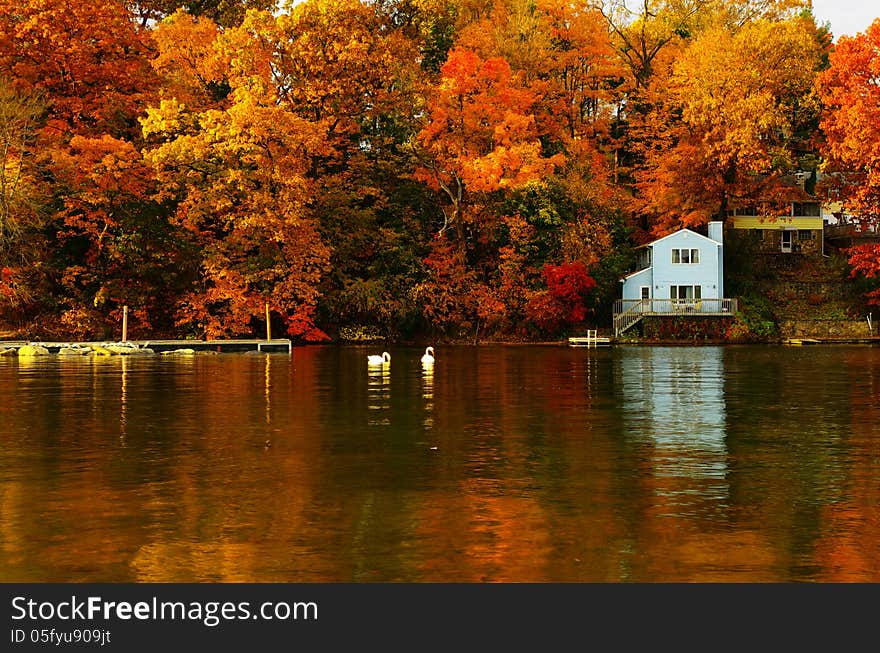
{"x": 851, "y": 128}
{"x": 226, "y": 13}
{"x": 86, "y": 57}
{"x": 236, "y": 174}
{"x": 564, "y": 301}
{"x": 430, "y": 25}
{"x": 584, "y": 72}
{"x": 20, "y": 117}
{"x": 89, "y": 63}
{"x": 562, "y": 56}
{"x": 480, "y": 136}
{"x": 188, "y": 63}
{"x": 20, "y": 201}
{"x": 288, "y": 157}
{"x": 456, "y": 298}
{"x": 352, "y": 70}
{"x": 644, "y": 29}
{"x": 732, "y": 115}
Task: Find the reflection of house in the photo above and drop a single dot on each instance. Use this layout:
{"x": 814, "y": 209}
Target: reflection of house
{"x": 674, "y": 399}
{"x": 680, "y": 274}
{"x": 792, "y": 226}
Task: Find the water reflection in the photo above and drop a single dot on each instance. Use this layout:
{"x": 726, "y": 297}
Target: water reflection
{"x": 591, "y": 373}
{"x": 123, "y": 398}
{"x": 674, "y": 398}
{"x": 542, "y": 464}
{"x": 379, "y": 394}
{"x": 428, "y": 395}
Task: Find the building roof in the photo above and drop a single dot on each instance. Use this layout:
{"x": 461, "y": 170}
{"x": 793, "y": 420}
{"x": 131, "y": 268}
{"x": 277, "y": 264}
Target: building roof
{"x": 675, "y": 233}
{"x": 632, "y": 274}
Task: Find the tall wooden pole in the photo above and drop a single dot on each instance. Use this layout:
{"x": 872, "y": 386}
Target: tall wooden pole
{"x": 125, "y": 324}
{"x": 268, "y": 326}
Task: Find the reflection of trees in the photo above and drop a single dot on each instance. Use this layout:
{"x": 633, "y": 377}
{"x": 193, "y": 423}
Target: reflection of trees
{"x": 849, "y": 547}
{"x": 524, "y": 485}
{"x": 195, "y": 494}
{"x": 539, "y": 464}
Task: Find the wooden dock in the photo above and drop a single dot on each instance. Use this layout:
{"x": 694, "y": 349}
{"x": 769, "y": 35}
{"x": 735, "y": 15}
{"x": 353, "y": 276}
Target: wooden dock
{"x": 220, "y": 346}
{"x": 872, "y": 340}
{"x": 160, "y": 346}
{"x": 592, "y": 339}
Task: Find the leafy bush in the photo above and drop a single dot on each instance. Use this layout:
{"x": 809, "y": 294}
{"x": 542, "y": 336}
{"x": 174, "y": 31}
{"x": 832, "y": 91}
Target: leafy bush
{"x": 754, "y": 320}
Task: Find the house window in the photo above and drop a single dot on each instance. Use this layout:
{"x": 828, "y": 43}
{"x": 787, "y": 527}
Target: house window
{"x": 805, "y": 234}
{"x": 686, "y": 256}
{"x": 806, "y": 209}
{"x": 646, "y": 292}
{"x": 685, "y": 292}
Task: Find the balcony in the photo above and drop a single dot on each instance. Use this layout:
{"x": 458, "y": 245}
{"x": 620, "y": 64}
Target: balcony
{"x": 627, "y": 312}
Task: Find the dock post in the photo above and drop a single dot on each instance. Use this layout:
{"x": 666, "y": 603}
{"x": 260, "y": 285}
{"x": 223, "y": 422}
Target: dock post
{"x": 268, "y": 326}
{"x": 592, "y": 338}
{"x": 125, "y": 324}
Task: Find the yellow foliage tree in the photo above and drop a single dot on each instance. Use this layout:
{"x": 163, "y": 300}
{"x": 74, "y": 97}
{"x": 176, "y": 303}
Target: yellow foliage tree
{"x": 238, "y": 175}
{"x": 730, "y": 115}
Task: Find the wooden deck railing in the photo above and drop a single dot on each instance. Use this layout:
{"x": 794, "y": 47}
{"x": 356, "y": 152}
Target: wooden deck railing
{"x": 627, "y": 312}
{"x": 847, "y": 230}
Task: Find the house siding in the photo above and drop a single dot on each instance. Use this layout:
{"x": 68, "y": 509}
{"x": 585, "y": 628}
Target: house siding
{"x": 706, "y": 273}
{"x": 755, "y": 222}
{"x": 632, "y": 285}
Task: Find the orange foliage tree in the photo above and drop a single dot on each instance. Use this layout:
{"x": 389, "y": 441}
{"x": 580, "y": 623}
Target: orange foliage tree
{"x": 86, "y": 169}
{"x": 481, "y": 138}
{"x": 851, "y": 127}
{"x": 480, "y": 135}
{"x": 553, "y": 65}
{"x": 729, "y": 117}
{"x": 237, "y": 174}
{"x": 95, "y": 85}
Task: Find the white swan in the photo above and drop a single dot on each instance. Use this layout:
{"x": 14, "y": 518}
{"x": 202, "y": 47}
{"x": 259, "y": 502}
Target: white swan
{"x": 428, "y": 356}
{"x": 384, "y": 359}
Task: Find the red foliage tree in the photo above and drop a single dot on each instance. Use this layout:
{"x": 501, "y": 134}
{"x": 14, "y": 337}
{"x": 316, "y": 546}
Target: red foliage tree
{"x": 564, "y": 301}
{"x": 865, "y": 260}
{"x": 453, "y": 296}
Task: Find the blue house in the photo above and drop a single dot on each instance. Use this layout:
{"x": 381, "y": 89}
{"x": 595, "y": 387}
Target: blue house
{"x": 679, "y": 274}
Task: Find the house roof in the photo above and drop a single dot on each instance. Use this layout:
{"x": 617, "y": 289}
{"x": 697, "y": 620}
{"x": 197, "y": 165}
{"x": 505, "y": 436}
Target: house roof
{"x": 675, "y": 233}
{"x": 632, "y": 274}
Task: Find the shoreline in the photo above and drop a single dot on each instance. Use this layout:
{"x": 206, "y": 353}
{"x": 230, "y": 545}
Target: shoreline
{"x": 9, "y": 348}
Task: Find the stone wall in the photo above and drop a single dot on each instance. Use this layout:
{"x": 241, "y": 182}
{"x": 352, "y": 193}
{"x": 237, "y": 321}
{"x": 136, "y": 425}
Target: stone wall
{"x": 826, "y": 329}
{"x": 824, "y": 290}
{"x": 771, "y": 241}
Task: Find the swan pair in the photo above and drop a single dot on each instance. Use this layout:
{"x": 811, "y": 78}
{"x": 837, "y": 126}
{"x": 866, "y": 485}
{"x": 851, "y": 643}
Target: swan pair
{"x": 385, "y": 358}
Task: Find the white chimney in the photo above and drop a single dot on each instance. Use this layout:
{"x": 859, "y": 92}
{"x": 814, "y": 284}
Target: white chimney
{"x": 715, "y": 231}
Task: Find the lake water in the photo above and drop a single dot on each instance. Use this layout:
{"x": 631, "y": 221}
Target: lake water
{"x": 505, "y": 463}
